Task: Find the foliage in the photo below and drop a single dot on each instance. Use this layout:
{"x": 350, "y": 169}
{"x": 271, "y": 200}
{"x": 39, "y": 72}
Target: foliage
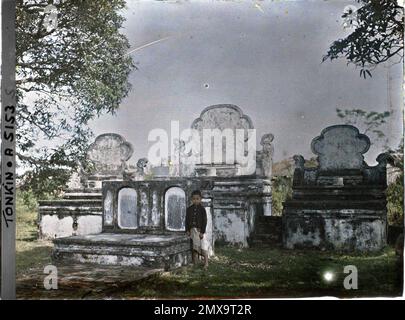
{"x": 368, "y": 122}
{"x": 377, "y": 37}
{"x": 281, "y": 191}
{"x": 26, "y": 200}
{"x": 395, "y": 190}
{"x": 44, "y": 182}
{"x": 395, "y": 198}
{"x": 66, "y": 76}
{"x": 282, "y": 182}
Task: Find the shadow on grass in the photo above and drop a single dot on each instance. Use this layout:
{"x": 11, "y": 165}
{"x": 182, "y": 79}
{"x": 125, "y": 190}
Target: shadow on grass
{"x": 32, "y": 254}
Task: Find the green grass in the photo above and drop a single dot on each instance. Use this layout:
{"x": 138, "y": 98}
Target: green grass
{"x": 30, "y": 252}
{"x": 253, "y": 272}
{"x": 261, "y": 272}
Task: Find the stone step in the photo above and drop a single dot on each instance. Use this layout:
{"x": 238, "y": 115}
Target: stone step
{"x": 339, "y": 193}
{"x": 268, "y": 231}
{"x": 84, "y": 190}
{"x": 260, "y": 243}
{"x": 338, "y": 190}
{"x": 263, "y": 242}
{"x": 70, "y": 203}
{"x": 334, "y": 204}
{"x": 348, "y": 188}
{"x": 269, "y": 219}
{"x": 338, "y": 197}
{"x": 70, "y": 210}
{"x": 165, "y": 250}
{"x": 267, "y": 236}
{"x": 83, "y": 195}
{"x": 270, "y": 222}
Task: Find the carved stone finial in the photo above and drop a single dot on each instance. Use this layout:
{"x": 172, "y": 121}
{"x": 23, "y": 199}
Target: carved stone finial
{"x": 266, "y": 141}
{"x": 267, "y": 154}
{"x": 142, "y": 164}
{"x": 384, "y": 158}
{"x": 299, "y": 161}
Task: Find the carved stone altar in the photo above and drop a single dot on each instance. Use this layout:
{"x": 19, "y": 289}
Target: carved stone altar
{"x": 340, "y": 204}
{"x": 143, "y": 224}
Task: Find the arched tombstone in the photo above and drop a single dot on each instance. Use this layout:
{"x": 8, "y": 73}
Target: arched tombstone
{"x": 127, "y": 209}
{"x": 340, "y": 147}
{"x": 106, "y": 159}
{"x": 175, "y": 209}
{"x": 228, "y": 153}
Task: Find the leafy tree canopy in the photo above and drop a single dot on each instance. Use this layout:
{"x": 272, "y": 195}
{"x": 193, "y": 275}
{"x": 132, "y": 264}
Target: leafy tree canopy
{"x": 377, "y": 36}
{"x": 68, "y": 73}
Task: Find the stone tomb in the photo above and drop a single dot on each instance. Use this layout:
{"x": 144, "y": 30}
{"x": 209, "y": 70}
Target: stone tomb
{"x": 241, "y": 192}
{"x": 143, "y": 224}
{"x": 340, "y": 204}
{"x": 143, "y": 221}
{"x": 79, "y": 211}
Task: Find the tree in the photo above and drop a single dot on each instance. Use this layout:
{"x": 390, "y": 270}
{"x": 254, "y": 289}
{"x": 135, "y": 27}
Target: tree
{"x": 368, "y": 122}
{"x": 72, "y": 66}
{"x": 377, "y": 36}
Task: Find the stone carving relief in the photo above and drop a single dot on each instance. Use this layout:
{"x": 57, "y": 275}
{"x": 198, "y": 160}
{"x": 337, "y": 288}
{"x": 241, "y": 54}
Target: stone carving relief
{"x": 108, "y": 154}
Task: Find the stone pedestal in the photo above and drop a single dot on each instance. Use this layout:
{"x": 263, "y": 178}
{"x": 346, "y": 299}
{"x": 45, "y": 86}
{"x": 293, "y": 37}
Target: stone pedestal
{"x": 78, "y": 212}
{"x": 237, "y": 202}
{"x": 338, "y": 218}
{"x": 165, "y": 251}
{"x": 341, "y": 204}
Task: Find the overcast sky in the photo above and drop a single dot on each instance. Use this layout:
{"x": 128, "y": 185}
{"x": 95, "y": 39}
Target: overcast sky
{"x": 263, "y": 56}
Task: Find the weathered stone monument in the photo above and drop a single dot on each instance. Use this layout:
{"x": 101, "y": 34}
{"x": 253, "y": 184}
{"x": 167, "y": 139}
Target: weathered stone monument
{"x": 143, "y": 220}
{"x": 106, "y": 159}
{"x": 241, "y": 190}
{"x": 143, "y": 224}
{"x": 340, "y": 204}
{"x": 79, "y": 212}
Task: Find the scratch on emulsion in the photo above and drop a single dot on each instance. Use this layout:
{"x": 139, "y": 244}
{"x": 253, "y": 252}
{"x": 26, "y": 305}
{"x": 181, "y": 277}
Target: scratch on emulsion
{"x": 147, "y": 45}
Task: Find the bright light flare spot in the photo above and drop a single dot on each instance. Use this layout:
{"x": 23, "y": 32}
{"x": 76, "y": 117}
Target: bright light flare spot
{"x": 328, "y": 276}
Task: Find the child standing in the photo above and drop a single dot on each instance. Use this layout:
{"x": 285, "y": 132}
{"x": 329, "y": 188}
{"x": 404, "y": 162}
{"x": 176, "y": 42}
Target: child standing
{"x": 196, "y": 222}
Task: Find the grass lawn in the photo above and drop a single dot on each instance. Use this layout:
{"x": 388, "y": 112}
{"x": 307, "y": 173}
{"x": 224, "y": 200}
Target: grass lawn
{"x": 30, "y": 252}
{"x": 252, "y": 272}
{"x": 263, "y": 272}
